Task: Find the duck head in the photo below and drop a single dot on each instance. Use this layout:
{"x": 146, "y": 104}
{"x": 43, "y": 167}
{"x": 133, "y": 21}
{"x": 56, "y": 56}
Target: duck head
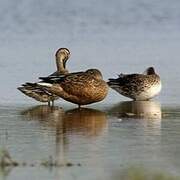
{"x": 62, "y": 55}
{"x": 95, "y": 72}
{"x": 149, "y": 71}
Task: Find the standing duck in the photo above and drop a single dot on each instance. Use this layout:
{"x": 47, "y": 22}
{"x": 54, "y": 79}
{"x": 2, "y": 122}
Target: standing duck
{"x": 39, "y": 94}
{"x": 80, "y": 88}
{"x": 137, "y": 86}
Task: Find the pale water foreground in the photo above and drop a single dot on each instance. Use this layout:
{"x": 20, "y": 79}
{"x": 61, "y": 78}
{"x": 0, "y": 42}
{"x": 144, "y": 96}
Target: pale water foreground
{"x": 117, "y": 141}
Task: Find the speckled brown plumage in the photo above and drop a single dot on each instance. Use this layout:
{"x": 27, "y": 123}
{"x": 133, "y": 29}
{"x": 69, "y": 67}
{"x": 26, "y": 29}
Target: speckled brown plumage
{"x": 80, "y": 88}
{"x": 37, "y": 93}
{"x": 137, "y": 86}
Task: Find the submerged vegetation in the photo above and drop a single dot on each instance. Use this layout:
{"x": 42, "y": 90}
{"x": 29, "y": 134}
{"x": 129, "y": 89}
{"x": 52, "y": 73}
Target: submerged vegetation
{"x": 141, "y": 173}
{"x": 7, "y": 161}
{"x": 130, "y": 173}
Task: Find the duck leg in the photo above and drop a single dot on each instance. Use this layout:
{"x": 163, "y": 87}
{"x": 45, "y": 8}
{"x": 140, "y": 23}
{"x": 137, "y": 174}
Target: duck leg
{"x": 52, "y": 103}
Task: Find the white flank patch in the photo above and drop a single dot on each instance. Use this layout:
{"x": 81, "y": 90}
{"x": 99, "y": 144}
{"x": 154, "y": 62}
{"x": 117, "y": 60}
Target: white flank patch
{"x": 150, "y": 93}
{"x": 147, "y": 94}
{"x": 44, "y": 84}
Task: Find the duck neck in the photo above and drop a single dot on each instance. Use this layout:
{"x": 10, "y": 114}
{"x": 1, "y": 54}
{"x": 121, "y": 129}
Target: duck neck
{"x": 61, "y": 65}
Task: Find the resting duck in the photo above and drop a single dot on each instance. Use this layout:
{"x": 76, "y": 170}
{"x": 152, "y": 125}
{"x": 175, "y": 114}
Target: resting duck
{"x": 39, "y": 94}
{"x": 137, "y": 86}
{"x": 80, "y": 88}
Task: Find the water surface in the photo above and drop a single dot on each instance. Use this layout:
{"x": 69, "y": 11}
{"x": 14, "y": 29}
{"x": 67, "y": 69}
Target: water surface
{"x": 98, "y": 142}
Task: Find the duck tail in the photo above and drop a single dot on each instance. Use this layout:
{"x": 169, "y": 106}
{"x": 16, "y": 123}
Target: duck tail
{"x": 113, "y": 82}
{"x": 21, "y": 88}
{"x": 30, "y": 84}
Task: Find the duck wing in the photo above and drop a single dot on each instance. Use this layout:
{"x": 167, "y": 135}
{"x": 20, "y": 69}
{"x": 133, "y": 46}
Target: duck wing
{"x": 132, "y": 82}
{"x": 77, "y": 84}
{"x": 59, "y": 78}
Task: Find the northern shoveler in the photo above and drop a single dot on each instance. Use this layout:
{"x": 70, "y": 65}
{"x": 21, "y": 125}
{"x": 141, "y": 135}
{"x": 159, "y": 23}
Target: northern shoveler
{"x": 80, "y": 88}
{"x": 137, "y": 86}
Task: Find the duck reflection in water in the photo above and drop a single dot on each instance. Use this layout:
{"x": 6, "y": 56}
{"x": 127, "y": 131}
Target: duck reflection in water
{"x": 86, "y": 120}
{"x": 79, "y": 124}
{"x": 137, "y": 109}
{"x": 137, "y": 116}
{"x": 44, "y": 114}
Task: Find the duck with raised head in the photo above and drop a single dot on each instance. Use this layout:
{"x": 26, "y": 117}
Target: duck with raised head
{"x": 138, "y": 87}
{"x": 80, "y": 88}
{"x": 39, "y": 94}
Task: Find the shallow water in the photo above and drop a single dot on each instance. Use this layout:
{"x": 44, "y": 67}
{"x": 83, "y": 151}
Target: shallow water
{"x": 106, "y": 139}
{"x": 98, "y": 142}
